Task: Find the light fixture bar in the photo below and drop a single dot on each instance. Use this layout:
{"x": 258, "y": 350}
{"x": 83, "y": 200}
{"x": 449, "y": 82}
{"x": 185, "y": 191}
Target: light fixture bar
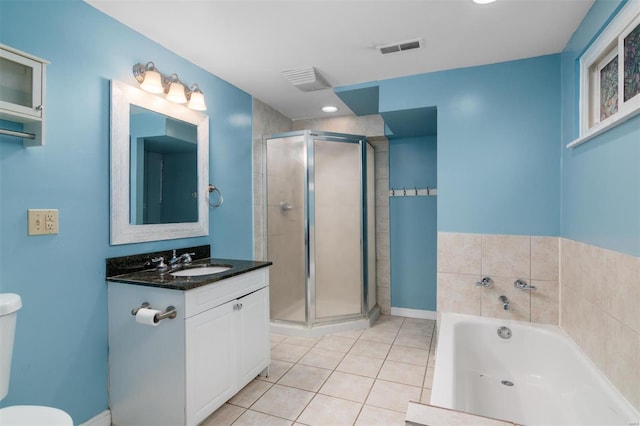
{"x": 153, "y": 81}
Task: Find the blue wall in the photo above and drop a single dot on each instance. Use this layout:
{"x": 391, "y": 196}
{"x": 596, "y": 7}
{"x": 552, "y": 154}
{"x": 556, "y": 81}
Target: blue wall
{"x": 413, "y": 224}
{"x": 498, "y": 154}
{"x": 601, "y": 178}
{"x": 60, "y": 354}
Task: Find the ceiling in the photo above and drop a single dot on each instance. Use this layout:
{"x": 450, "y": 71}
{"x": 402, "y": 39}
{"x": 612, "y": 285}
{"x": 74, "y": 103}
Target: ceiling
{"x": 249, "y": 43}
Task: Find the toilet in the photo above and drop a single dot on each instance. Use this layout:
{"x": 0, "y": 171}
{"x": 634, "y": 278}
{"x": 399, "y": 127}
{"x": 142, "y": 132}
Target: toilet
{"x": 20, "y": 415}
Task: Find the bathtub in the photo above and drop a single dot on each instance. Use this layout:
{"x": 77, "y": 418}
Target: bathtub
{"x": 538, "y": 376}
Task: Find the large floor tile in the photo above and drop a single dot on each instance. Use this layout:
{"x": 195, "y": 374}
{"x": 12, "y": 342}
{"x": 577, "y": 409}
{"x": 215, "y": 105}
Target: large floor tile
{"x": 283, "y": 401}
{"x": 287, "y": 352}
{"x": 380, "y": 334}
{"x": 250, "y": 393}
{"x": 223, "y": 416}
{"x": 347, "y": 386}
{"x": 375, "y": 416}
{"x": 370, "y": 349}
{"x": 400, "y": 372}
{"x": 305, "y": 377}
{"x": 335, "y": 343}
{"x": 393, "y": 396}
{"x": 276, "y": 370}
{"x": 408, "y": 355}
{"x": 302, "y": 341}
{"x": 322, "y": 358}
{"x": 360, "y": 365}
{"x": 253, "y": 418}
{"x": 325, "y": 410}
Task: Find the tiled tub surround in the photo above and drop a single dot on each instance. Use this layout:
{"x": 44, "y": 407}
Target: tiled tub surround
{"x": 359, "y": 377}
{"x": 600, "y": 311}
{"x": 463, "y": 259}
{"x": 592, "y": 293}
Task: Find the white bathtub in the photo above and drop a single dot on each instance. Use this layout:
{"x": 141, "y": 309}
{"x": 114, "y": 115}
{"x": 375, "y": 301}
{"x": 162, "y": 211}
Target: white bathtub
{"x": 554, "y": 383}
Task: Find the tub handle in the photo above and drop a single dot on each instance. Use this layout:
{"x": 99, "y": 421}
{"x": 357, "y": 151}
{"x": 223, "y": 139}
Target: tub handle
{"x": 486, "y": 282}
{"x": 521, "y": 285}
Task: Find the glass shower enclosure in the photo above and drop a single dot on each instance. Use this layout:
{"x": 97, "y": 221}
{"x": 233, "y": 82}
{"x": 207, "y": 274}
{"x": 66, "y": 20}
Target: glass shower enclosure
{"x": 320, "y": 227}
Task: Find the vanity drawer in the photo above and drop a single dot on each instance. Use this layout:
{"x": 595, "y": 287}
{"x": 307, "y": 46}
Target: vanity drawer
{"x": 220, "y": 292}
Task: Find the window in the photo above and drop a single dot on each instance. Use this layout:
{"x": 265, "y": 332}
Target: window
{"x": 610, "y": 75}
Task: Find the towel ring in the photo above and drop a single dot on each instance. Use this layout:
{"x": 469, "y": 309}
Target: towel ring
{"x": 212, "y": 188}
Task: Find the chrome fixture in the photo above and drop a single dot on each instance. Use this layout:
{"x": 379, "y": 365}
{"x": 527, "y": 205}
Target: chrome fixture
{"x": 505, "y": 302}
{"x": 160, "y": 265}
{"x": 213, "y": 188}
{"x": 521, "y": 285}
{"x": 486, "y": 282}
{"x": 154, "y": 81}
{"x": 170, "y": 312}
{"x": 504, "y": 332}
{"x": 183, "y": 259}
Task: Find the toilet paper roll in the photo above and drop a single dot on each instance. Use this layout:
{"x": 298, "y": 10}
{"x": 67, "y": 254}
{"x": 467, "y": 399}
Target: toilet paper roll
{"x": 146, "y": 316}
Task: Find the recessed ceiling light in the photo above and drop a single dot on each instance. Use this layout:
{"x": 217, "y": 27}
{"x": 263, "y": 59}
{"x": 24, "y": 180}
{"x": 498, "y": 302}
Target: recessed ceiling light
{"x": 483, "y": 1}
{"x": 329, "y": 108}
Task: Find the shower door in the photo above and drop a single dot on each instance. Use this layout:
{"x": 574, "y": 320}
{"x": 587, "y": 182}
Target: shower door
{"x": 286, "y": 227}
{"x": 315, "y": 203}
{"x": 337, "y": 229}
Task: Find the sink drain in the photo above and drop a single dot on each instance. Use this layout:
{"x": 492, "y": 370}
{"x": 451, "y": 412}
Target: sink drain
{"x": 507, "y": 383}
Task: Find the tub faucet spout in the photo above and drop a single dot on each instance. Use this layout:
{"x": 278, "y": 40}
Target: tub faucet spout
{"x": 505, "y": 302}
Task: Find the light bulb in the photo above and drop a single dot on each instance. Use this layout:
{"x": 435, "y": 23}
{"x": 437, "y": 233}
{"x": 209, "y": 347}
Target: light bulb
{"x": 197, "y": 101}
{"x": 176, "y": 93}
{"x": 152, "y": 82}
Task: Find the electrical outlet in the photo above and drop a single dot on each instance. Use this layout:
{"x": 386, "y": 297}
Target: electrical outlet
{"x": 42, "y": 221}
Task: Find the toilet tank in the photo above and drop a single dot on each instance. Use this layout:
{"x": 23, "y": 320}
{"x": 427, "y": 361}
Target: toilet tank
{"x": 9, "y": 305}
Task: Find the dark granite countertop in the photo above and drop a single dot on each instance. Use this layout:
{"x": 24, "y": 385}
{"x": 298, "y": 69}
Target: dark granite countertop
{"x": 153, "y": 278}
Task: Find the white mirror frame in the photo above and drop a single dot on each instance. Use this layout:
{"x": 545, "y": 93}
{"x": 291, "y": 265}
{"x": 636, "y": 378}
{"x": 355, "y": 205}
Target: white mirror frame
{"x": 122, "y": 231}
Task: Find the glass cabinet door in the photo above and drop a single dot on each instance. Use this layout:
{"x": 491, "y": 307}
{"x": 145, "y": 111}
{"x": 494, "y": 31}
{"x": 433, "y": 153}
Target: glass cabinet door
{"x": 20, "y": 84}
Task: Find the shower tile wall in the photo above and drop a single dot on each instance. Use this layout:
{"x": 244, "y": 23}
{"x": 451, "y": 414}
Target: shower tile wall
{"x": 383, "y": 257}
{"x": 600, "y": 310}
{"x": 266, "y": 121}
{"x": 463, "y": 259}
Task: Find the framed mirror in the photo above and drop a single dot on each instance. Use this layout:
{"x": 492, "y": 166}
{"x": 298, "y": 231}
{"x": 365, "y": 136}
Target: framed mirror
{"x": 159, "y": 168}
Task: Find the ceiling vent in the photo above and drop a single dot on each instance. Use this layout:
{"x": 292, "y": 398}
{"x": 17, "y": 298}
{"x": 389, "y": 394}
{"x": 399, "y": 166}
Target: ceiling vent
{"x": 306, "y": 79}
{"x": 400, "y": 46}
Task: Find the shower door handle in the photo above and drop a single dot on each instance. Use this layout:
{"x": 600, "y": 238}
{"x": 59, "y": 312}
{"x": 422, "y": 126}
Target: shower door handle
{"x": 285, "y": 207}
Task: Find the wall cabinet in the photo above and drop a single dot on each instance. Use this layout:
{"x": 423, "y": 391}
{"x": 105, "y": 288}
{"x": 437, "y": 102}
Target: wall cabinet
{"x": 22, "y": 91}
{"x": 181, "y": 371}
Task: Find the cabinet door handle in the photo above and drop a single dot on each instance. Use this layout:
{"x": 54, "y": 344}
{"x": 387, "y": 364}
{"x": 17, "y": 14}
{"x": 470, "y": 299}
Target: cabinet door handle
{"x": 237, "y": 306}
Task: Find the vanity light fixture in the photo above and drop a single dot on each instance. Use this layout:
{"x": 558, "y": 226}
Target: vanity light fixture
{"x": 329, "y": 108}
{"x": 196, "y": 101}
{"x": 483, "y": 1}
{"x": 176, "y": 90}
{"x": 153, "y": 81}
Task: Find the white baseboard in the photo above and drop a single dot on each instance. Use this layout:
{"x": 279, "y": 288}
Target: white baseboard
{"x": 414, "y": 313}
{"x": 102, "y": 419}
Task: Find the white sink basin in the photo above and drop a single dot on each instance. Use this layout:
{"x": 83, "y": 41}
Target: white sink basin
{"x": 196, "y": 272}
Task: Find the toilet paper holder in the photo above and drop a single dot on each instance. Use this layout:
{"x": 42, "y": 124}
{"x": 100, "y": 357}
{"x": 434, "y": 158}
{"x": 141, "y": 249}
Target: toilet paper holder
{"x": 170, "y": 312}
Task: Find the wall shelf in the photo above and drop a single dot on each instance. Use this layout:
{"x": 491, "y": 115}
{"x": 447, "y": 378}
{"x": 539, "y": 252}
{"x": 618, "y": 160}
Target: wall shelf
{"x": 22, "y": 94}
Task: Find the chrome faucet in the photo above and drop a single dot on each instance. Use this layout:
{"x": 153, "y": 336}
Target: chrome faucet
{"x": 505, "y": 302}
{"x": 183, "y": 259}
{"x": 159, "y": 264}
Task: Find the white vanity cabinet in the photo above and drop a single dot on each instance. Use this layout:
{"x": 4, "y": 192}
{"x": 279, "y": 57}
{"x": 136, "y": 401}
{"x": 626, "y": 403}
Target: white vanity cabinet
{"x": 183, "y": 369}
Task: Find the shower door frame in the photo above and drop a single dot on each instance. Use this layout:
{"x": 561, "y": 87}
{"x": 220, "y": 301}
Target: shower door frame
{"x": 309, "y": 222}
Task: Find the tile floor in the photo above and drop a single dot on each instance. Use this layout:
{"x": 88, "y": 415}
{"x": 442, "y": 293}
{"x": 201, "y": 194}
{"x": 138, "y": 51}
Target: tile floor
{"x": 361, "y": 377}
